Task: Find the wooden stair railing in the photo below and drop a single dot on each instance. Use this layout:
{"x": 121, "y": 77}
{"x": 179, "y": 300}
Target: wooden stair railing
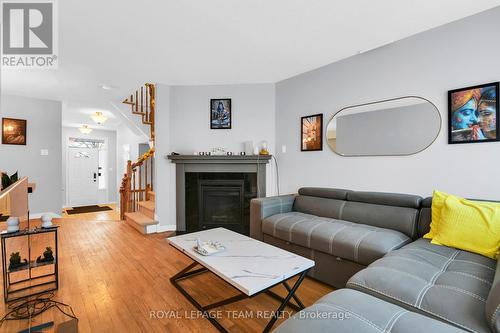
{"x": 137, "y": 183}
{"x": 143, "y": 104}
{"x": 138, "y": 180}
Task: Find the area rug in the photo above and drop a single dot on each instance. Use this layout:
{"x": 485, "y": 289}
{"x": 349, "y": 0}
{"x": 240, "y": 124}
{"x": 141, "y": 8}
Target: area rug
{"x": 87, "y": 209}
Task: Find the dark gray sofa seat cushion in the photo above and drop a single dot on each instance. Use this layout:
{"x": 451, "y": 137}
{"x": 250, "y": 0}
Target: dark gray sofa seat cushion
{"x": 359, "y": 243}
{"x": 439, "y": 281}
{"x": 493, "y": 303}
{"x": 348, "y": 310}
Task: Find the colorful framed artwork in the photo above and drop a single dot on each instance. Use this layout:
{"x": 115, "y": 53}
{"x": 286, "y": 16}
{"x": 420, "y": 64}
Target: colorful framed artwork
{"x": 311, "y": 136}
{"x": 473, "y": 114}
{"x": 13, "y": 131}
{"x": 220, "y": 113}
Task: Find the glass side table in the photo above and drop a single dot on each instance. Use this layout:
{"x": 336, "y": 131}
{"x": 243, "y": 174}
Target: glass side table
{"x": 36, "y": 274}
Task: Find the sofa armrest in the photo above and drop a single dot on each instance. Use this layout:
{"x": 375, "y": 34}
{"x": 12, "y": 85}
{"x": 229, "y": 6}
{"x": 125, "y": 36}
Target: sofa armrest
{"x": 260, "y": 208}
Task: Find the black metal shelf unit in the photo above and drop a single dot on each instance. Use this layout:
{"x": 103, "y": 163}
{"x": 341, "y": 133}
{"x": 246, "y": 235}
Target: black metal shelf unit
{"x": 14, "y": 290}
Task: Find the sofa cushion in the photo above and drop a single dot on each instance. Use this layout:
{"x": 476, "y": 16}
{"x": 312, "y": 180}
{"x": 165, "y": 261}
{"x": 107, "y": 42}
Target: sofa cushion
{"x": 493, "y": 303}
{"x": 442, "y": 282}
{"x": 360, "y": 243}
{"x": 321, "y": 192}
{"x": 386, "y": 199}
{"x": 425, "y": 217}
{"x": 323, "y": 207}
{"x": 348, "y": 310}
{"x": 403, "y": 219}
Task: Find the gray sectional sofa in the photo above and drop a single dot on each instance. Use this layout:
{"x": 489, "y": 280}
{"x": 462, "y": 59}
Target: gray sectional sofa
{"x": 371, "y": 243}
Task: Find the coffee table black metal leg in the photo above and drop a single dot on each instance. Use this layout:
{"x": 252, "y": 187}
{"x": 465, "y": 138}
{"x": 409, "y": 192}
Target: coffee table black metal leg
{"x": 188, "y": 272}
{"x": 291, "y": 293}
{"x": 297, "y": 300}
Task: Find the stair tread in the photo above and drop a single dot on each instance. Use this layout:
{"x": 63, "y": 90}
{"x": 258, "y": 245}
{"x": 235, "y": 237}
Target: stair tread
{"x": 141, "y": 219}
{"x": 147, "y": 204}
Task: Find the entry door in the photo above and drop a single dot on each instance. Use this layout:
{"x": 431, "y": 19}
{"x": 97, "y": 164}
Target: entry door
{"x": 83, "y": 184}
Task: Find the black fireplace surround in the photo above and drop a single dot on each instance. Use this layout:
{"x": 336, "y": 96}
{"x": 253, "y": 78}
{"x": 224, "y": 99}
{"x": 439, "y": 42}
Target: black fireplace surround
{"x": 216, "y": 199}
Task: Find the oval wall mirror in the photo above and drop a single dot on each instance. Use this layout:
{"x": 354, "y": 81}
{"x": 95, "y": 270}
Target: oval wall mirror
{"x": 400, "y": 126}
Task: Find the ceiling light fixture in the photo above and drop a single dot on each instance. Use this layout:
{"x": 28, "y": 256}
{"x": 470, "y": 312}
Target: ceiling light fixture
{"x": 85, "y": 129}
{"x": 107, "y": 86}
{"x": 99, "y": 118}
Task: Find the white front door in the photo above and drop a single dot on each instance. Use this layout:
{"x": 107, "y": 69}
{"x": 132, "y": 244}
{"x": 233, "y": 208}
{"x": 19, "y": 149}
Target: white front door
{"x": 83, "y": 171}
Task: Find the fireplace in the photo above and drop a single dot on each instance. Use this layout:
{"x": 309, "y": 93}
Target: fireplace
{"x": 215, "y": 191}
{"x": 219, "y": 200}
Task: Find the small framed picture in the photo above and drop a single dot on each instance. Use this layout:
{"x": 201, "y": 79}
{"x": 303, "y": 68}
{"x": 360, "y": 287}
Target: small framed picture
{"x": 311, "y": 133}
{"x": 473, "y": 114}
{"x": 13, "y": 131}
{"x": 220, "y": 113}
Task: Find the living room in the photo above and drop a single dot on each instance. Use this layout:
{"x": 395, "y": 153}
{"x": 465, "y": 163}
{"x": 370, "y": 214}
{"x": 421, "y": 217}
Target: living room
{"x": 254, "y": 166}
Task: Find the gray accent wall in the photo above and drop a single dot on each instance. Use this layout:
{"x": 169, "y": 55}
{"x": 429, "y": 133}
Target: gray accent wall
{"x": 459, "y": 54}
{"x": 43, "y": 132}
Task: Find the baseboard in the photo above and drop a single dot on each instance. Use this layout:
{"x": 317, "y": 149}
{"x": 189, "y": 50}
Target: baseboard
{"x": 39, "y": 215}
{"x": 165, "y": 228}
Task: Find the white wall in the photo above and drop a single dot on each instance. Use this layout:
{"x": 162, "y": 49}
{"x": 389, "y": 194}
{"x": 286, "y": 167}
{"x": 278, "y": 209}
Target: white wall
{"x": 252, "y": 117}
{"x": 109, "y": 195}
{"x": 43, "y": 132}
{"x": 127, "y": 148}
{"x": 456, "y": 55}
{"x": 183, "y": 126}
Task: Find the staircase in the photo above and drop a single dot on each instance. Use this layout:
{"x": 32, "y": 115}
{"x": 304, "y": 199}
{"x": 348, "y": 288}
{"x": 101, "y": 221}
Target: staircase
{"x": 143, "y": 220}
{"x": 137, "y": 196}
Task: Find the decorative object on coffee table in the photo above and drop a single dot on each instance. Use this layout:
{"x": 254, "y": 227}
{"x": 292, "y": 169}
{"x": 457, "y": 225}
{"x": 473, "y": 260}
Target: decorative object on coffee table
{"x": 250, "y": 266}
{"x": 13, "y": 131}
{"x": 473, "y": 114}
{"x": 220, "y": 113}
{"x": 311, "y": 136}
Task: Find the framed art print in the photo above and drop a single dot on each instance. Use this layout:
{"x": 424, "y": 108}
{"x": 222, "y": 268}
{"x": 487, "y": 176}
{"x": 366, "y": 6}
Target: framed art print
{"x": 220, "y": 113}
{"x": 473, "y": 114}
{"x": 311, "y": 136}
{"x": 13, "y": 131}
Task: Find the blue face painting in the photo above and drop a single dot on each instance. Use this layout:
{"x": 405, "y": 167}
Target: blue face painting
{"x": 466, "y": 116}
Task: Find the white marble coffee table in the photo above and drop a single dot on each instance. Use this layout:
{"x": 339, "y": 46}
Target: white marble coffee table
{"x": 249, "y": 265}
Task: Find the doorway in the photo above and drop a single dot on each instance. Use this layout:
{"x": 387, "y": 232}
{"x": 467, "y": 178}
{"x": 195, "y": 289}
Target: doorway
{"x": 86, "y": 171}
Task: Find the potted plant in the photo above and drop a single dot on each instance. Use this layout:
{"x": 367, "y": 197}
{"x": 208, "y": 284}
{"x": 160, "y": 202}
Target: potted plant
{"x": 15, "y": 261}
{"x": 47, "y": 254}
{"x": 8, "y": 180}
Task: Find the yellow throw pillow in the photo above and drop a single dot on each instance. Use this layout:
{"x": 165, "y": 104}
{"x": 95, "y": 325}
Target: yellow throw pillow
{"x": 470, "y": 225}
{"x": 438, "y": 199}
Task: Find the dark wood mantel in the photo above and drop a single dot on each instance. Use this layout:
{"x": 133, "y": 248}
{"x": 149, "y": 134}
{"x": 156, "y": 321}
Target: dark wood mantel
{"x": 215, "y": 164}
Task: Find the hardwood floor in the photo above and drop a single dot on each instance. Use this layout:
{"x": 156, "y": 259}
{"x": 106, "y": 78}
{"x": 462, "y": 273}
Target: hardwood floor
{"x": 115, "y": 279}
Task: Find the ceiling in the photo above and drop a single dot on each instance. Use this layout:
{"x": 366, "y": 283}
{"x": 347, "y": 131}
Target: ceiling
{"x": 124, "y": 43}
